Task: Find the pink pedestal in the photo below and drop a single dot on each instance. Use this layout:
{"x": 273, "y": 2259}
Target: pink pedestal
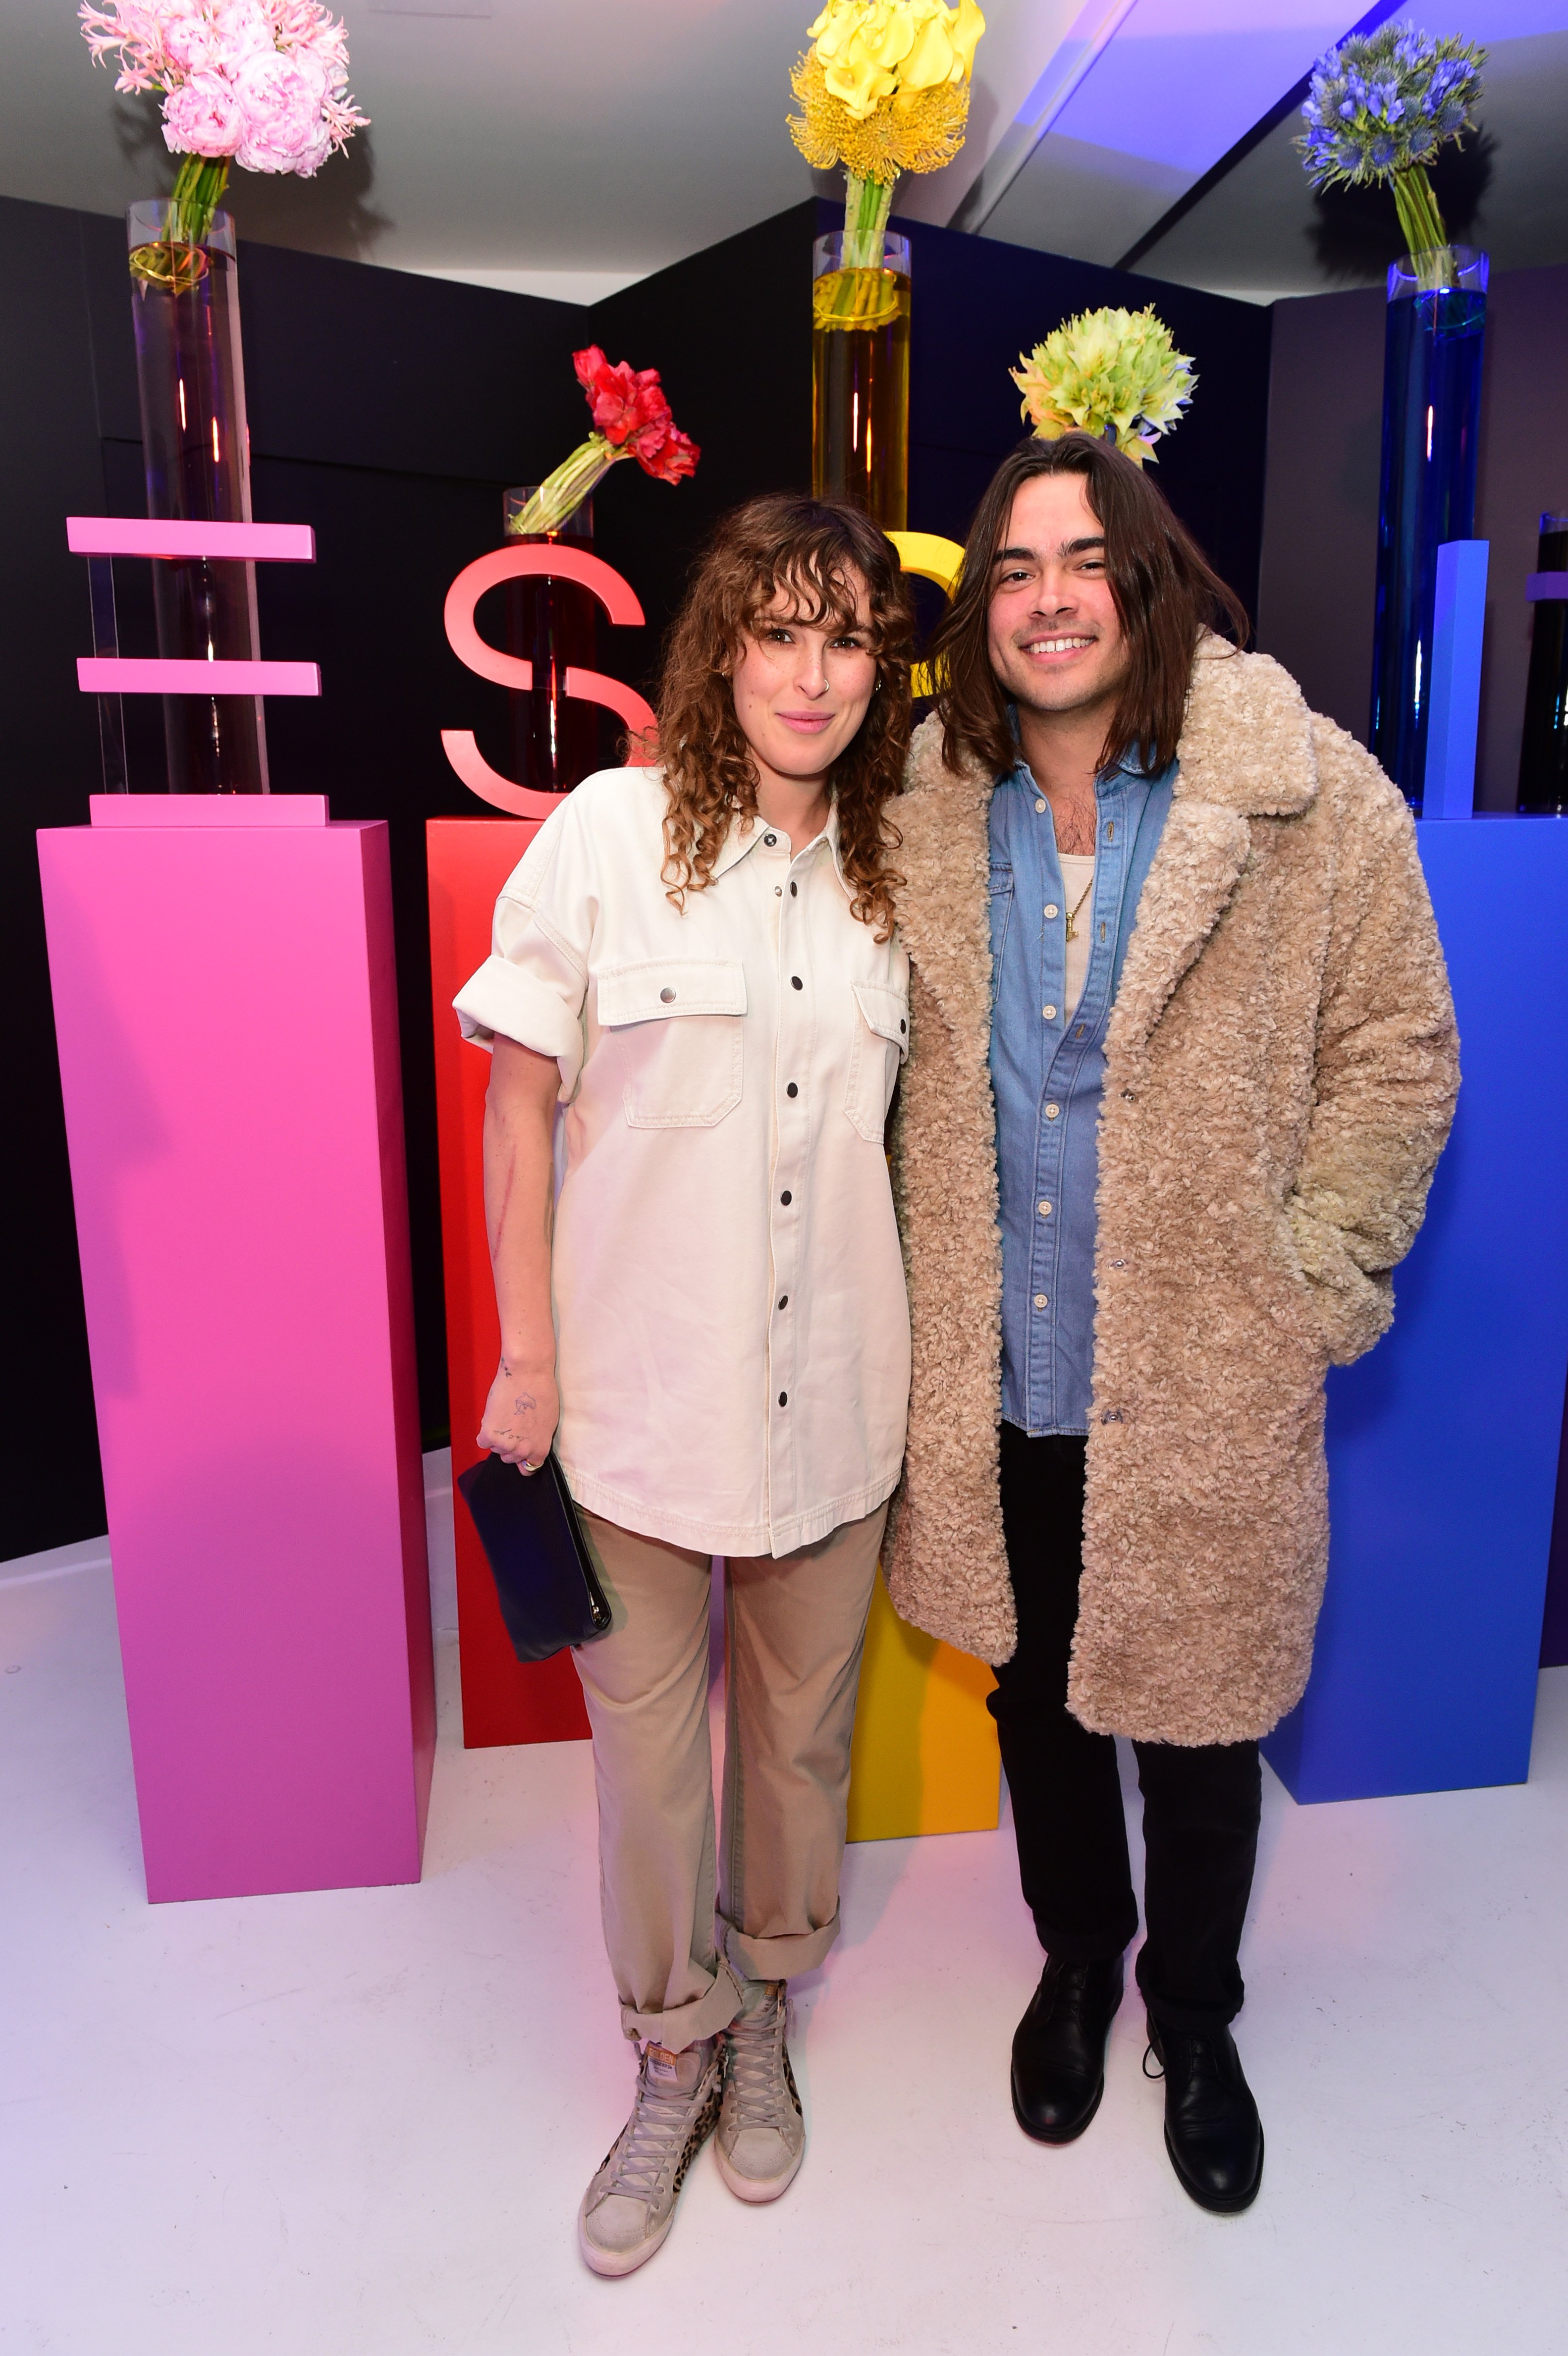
{"x": 225, "y": 1006}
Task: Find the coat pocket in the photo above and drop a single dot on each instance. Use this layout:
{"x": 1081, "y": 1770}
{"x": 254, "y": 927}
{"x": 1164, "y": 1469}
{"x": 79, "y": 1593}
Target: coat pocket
{"x": 1348, "y": 1309}
{"x": 880, "y": 1043}
{"x": 676, "y": 1022}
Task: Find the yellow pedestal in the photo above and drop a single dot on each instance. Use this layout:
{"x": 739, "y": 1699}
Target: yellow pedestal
{"x": 925, "y": 1757}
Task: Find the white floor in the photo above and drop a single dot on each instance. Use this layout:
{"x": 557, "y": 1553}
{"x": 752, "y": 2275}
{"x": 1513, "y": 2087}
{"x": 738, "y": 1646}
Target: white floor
{"x": 360, "y": 2121}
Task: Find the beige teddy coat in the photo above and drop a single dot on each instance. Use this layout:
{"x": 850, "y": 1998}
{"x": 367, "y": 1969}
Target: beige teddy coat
{"x": 1281, "y": 1070}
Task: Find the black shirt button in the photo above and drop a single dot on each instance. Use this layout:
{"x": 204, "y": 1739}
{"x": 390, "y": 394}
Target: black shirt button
{"x": 786, "y": 1196}
{"x": 794, "y": 891}
{"x": 783, "y": 1399}
{"x": 792, "y": 1090}
{"x": 770, "y": 840}
{"x": 796, "y": 982}
{"x": 783, "y": 1300}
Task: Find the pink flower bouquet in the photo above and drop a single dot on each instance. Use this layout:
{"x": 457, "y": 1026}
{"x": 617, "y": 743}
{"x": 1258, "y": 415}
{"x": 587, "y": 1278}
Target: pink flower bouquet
{"x": 262, "y": 83}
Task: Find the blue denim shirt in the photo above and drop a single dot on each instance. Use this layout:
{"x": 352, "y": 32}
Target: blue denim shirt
{"x": 1049, "y": 1073}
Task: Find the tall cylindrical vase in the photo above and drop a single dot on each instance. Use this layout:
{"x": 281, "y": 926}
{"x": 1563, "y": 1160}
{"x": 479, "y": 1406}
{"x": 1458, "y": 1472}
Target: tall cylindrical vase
{"x": 860, "y": 380}
{"x": 1543, "y": 750}
{"x": 185, "y": 297}
{"x": 552, "y": 625}
{"x": 1432, "y": 407}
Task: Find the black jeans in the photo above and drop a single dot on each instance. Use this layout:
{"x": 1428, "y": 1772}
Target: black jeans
{"x": 1200, "y": 1804}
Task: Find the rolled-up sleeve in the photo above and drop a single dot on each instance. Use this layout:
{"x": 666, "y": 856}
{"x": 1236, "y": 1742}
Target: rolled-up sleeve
{"x": 533, "y": 985}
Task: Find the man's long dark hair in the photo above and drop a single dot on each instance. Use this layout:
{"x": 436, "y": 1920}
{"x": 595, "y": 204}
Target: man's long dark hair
{"x": 1165, "y": 595}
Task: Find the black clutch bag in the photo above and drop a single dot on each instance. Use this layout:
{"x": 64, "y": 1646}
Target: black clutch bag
{"x": 545, "y": 1581}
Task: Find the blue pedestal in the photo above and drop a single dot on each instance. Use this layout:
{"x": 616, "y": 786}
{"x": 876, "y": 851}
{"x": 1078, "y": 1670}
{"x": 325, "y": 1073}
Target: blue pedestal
{"x": 1442, "y": 1444}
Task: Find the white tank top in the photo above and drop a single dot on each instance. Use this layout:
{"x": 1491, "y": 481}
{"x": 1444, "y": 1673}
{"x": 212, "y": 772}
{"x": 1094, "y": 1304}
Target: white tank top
{"x": 1077, "y": 883}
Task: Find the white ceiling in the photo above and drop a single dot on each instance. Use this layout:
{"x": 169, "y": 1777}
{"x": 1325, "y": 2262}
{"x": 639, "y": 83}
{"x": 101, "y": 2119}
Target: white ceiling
{"x": 567, "y": 149}
{"x": 1173, "y": 85}
{"x": 519, "y": 142}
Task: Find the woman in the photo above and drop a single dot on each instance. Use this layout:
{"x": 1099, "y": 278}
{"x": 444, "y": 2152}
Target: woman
{"x": 695, "y": 962}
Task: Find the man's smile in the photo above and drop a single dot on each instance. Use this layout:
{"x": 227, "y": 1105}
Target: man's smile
{"x": 1064, "y": 643}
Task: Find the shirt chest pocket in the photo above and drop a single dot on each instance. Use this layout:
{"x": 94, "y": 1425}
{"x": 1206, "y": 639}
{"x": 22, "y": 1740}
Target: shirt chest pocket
{"x": 1001, "y": 910}
{"x": 880, "y": 1043}
{"x": 672, "y": 1026}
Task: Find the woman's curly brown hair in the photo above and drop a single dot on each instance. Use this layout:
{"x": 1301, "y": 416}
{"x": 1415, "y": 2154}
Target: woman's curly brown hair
{"x": 810, "y": 548}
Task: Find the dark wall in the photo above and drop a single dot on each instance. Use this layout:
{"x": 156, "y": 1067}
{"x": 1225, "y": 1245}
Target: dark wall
{"x": 389, "y": 412}
{"x": 1317, "y": 583}
{"x": 1524, "y": 470}
{"x": 1320, "y": 528}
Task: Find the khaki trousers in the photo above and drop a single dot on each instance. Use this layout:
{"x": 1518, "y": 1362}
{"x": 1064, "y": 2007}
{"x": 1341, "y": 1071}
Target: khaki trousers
{"x": 795, "y": 1629}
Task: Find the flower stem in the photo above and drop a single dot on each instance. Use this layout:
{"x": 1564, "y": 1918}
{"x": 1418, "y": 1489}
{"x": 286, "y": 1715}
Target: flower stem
{"x": 561, "y": 494}
{"x": 197, "y": 188}
{"x": 867, "y": 204}
{"x": 1423, "y": 227}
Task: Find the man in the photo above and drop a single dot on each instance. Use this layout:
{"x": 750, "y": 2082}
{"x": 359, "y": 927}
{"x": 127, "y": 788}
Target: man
{"x": 1181, "y": 1031}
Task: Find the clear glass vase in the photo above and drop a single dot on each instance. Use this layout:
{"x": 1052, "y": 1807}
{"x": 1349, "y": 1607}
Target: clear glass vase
{"x": 1543, "y": 750}
{"x": 1432, "y": 409}
{"x": 860, "y": 380}
{"x": 553, "y": 626}
{"x": 185, "y": 298}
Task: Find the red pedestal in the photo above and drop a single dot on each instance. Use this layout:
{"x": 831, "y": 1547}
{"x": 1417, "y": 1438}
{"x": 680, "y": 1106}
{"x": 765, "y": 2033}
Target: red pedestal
{"x": 504, "y": 1700}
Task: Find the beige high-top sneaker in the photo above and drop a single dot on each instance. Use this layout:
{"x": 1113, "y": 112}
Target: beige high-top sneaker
{"x": 761, "y": 2139}
{"x": 631, "y": 2205}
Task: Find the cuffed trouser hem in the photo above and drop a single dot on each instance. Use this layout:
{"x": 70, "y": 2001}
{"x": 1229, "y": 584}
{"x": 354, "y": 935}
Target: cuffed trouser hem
{"x": 795, "y": 1627}
{"x": 779, "y": 1959}
{"x": 704, "y": 2017}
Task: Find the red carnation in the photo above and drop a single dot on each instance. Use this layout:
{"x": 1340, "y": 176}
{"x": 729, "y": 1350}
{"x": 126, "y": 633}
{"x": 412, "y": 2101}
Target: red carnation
{"x": 621, "y": 399}
{"x": 631, "y": 420}
{"x": 668, "y": 456}
{"x": 631, "y": 411}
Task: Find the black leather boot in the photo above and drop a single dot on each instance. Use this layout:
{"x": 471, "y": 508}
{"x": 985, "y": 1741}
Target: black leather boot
{"x": 1058, "y": 2049}
{"x": 1213, "y": 2133}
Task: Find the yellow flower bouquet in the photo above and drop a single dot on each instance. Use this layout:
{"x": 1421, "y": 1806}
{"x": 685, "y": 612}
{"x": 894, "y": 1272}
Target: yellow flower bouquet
{"x": 884, "y": 89}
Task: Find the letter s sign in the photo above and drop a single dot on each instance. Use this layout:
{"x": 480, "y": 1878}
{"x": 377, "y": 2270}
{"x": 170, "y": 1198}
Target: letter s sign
{"x": 556, "y": 562}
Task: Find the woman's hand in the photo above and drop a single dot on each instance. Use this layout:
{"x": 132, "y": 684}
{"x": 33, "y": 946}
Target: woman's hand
{"x": 521, "y": 1416}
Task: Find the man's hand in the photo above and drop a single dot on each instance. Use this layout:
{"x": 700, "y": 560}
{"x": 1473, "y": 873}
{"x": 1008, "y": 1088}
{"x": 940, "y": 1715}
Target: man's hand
{"x": 520, "y": 1415}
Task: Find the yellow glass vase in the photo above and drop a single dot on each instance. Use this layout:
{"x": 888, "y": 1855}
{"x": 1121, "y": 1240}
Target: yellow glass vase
{"x": 860, "y": 380}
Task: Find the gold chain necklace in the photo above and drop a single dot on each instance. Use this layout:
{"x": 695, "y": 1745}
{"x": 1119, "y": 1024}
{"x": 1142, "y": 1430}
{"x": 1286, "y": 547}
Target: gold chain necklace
{"x": 1072, "y": 913}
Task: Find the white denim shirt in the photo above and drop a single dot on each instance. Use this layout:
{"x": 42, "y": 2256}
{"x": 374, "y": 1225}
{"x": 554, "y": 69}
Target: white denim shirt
{"x": 733, "y": 1336}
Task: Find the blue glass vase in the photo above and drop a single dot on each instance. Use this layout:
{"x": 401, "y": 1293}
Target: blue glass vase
{"x": 1432, "y": 411}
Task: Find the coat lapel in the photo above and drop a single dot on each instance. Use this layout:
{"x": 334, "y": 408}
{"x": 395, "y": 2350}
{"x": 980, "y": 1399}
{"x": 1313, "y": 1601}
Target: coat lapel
{"x": 1245, "y": 752}
{"x": 944, "y": 910}
{"x": 1195, "y": 869}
